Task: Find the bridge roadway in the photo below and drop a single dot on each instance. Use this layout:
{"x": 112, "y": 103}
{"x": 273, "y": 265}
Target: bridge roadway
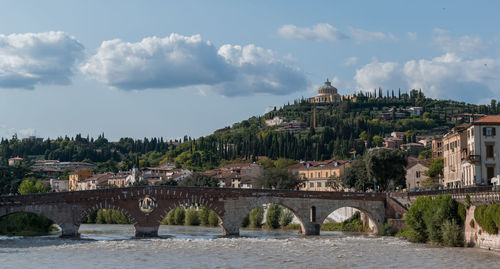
{"x": 147, "y": 206}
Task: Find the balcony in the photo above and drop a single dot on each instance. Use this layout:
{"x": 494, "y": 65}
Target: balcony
{"x": 474, "y": 158}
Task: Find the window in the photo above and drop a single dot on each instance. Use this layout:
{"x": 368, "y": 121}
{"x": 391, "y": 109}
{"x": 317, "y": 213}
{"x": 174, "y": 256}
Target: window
{"x": 489, "y": 131}
{"x": 489, "y": 151}
{"x": 334, "y": 174}
{"x": 312, "y": 175}
{"x": 319, "y": 174}
{"x": 320, "y": 184}
{"x": 326, "y": 174}
{"x": 417, "y": 174}
{"x": 311, "y": 185}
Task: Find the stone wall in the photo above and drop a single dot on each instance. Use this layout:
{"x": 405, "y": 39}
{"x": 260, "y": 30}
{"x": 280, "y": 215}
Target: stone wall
{"x": 477, "y": 236}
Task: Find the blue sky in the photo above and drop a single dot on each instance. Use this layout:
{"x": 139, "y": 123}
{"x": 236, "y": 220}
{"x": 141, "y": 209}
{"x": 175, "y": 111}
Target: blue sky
{"x": 158, "y": 68}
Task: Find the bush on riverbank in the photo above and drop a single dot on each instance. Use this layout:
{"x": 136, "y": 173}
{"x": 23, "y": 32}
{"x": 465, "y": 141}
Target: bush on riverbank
{"x": 426, "y": 219}
{"x": 488, "y": 217}
{"x": 203, "y": 216}
{"x": 276, "y": 216}
{"x": 25, "y": 224}
{"x": 107, "y": 216}
{"x": 352, "y": 224}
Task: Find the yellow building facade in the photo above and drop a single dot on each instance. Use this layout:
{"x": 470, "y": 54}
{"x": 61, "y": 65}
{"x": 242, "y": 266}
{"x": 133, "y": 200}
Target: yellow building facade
{"x": 77, "y": 176}
{"x": 320, "y": 176}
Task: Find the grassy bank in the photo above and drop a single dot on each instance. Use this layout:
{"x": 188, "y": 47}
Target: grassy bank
{"x": 25, "y": 224}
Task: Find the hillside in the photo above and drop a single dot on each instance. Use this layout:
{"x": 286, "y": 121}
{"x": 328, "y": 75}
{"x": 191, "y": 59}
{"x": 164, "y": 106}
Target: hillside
{"x": 340, "y": 129}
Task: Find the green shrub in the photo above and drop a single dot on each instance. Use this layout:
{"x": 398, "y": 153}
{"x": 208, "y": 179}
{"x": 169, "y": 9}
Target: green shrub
{"x": 286, "y": 217}
{"x": 25, "y": 224}
{"x": 179, "y": 215}
{"x": 246, "y": 221}
{"x": 452, "y": 234}
{"x": 203, "y": 215}
{"x": 385, "y": 229}
{"x": 191, "y": 217}
{"x": 170, "y": 218}
{"x": 462, "y": 212}
{"x": 404, "y": 233}
{"x": 352, "y": 224}
{"x": 426, "y": 217}
{"x": 292, "y": 226}
{"x": 471, "y": 223}
{"x": 256, "y": 217}
{"x": 273, "y": 216}
{"x": 213, "y": 219}
{"x": 484, "y": 216}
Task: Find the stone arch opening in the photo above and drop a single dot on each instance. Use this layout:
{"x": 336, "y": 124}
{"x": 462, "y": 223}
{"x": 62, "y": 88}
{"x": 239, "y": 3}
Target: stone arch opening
{"x": 106, "y": 219}
{"x": 27, "y": 223}
{"x": 187, "y": 218}
{"x": 270, "y": 217}
{"x": 349, "y": 219}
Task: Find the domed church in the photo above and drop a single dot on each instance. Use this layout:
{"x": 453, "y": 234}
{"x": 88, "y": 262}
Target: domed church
{"x": 326, "y": 94}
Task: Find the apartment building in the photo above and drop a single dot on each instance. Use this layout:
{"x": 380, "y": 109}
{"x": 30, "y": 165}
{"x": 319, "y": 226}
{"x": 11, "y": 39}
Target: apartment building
{"x": 481, "y": 158}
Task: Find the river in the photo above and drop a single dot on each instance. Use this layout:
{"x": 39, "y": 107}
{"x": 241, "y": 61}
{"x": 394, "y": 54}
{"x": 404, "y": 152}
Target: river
{"x": 112, "y": 246}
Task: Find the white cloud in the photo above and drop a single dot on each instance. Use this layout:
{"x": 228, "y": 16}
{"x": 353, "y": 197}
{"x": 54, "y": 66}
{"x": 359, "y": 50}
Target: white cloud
{"x": 186, "y": 61}
{"x": 37, "y": 58}
{"x": 448, "y": 76}
{"x": 351, "y": 61}
{"x": 318, "y": 32}
{"x": 462, "y": 44}
{"x": 412, "y": 36}
{"x": 361, "y": 35}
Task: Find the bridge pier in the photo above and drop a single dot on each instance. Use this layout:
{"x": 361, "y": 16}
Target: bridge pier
{"x": 230, "y": 229}
{"x": 310, "y": 228}
{"x": 69, "y": 230}
{"x": 146, "y": 231}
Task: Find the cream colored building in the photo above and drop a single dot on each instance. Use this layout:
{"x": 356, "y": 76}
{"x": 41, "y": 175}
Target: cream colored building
{"x": 481, "y": 160}
{"x": 326, "y": 94}
{"x": 415, "y": 172}
{"x": 318, "y": 175}
{"x": 454, "y": 144}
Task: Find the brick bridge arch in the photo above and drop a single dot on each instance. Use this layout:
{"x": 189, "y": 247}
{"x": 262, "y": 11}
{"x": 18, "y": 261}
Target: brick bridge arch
{"x": 231, "y": 205}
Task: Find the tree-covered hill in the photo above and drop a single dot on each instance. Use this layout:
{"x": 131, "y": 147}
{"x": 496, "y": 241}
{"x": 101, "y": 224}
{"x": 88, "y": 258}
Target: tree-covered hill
{"x": 340, "y": 129}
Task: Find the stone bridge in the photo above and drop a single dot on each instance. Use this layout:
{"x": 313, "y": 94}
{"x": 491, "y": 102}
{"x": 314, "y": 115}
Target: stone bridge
{"x": 147, "y": 206}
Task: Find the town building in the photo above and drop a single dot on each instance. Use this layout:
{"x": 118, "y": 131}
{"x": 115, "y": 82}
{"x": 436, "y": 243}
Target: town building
{"x": 326, "y": 94}
{"x": 319, "y": 175}
{"x": 454, "y": 143}
{"x": 481, "y": 158}
{"x": 98, "y": 181}
{"x": 58, "y": 185}
{"x": 437, "y": 147}
{"x": 14, "y": 161}
{"x": 78, "y": 176}
{"x": 236, "y": 175}
{"x": 415, "y": 111}
{"x": 276, "y": 121}
{"x": 415, "y": 172}
{"x": 53, "y": 168}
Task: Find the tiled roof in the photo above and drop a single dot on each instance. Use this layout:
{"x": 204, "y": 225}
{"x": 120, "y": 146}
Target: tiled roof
{"x": 490, "y": 119}
{"x": 316, "y": 164}
{"x": 412, "y": 161}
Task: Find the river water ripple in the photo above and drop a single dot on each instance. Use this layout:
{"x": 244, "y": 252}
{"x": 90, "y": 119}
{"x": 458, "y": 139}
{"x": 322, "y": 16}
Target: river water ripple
{"x": 112, "y": 246}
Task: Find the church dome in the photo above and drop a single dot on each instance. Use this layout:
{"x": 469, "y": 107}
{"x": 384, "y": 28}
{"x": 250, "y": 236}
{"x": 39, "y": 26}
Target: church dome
{"x": 327, "y": 89}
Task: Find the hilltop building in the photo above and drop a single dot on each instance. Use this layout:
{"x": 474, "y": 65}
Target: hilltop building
{"x": 14, "y": 161}
{"x": 326, "y": 94}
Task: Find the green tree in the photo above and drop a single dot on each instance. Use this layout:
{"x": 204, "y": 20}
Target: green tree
{"x": 273, "y": 215}
{"x": 191, "y": 217}
{"x": 179, "y": 215}
{"x": 256, "y": 217}
{"x": 284, "y": 163}
{"x": 213, "y": 219}
{"x": 286, "y": 217}
{"x": 355, "y": 176}
{"x": 31, "y": 185}
{"x": 436, "y": 169}
{"x": 198, "y": 180}
{"x": 277, "y": 178}
{"x": 386, "y": 168}
{"x": 203, "y": 214}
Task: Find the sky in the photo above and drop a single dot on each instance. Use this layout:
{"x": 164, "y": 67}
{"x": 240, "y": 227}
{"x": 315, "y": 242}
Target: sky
{"x": 173, "y": 68}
